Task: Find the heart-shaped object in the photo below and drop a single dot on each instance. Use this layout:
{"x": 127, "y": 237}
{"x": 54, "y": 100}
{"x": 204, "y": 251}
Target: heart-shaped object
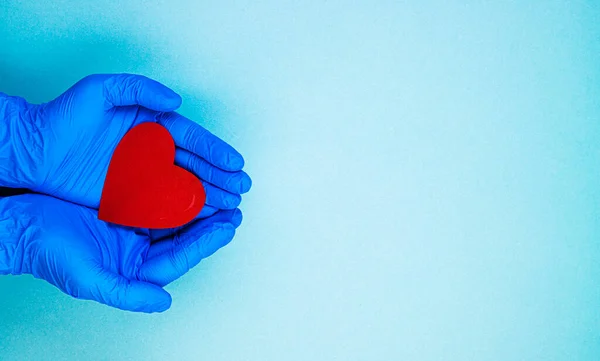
{"x": 143, "y": 188}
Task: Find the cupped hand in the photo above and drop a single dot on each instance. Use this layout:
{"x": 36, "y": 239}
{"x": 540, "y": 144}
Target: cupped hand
{"x": 79, "y": 131}
{"x": 66, "y": 245}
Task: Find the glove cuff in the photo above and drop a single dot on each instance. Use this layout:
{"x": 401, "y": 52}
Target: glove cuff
{"x": 20, "y": 143}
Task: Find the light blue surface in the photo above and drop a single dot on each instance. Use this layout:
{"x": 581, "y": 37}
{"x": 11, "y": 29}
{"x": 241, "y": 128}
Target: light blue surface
{"x": 426, "y": 177}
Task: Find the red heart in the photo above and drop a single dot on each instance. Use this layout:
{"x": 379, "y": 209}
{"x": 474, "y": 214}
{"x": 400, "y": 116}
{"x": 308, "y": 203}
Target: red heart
{"x": 143, "y": 188}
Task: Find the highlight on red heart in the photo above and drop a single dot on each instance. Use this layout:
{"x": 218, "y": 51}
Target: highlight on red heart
{"x": 143, "y": 186}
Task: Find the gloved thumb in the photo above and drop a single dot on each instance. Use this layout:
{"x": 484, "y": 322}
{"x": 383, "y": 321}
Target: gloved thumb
{"x": 129, "y": 295}
{"x": 130, "y": 89}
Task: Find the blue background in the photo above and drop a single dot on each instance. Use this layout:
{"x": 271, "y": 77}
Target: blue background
{"x": 426, "y": 177}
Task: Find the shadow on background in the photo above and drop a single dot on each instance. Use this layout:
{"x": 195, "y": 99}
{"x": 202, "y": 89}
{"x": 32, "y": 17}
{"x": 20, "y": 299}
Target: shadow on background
{"x": 41, "y": 73}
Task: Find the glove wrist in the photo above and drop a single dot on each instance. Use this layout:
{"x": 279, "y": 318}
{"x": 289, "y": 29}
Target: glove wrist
{"x": 15, "y": 232}
{"x": 20, "y": 143}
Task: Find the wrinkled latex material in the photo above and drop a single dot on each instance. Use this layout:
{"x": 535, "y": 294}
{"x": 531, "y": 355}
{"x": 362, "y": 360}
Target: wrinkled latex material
{"x": 66, "y": 245}
{"x": 20, "y": 143}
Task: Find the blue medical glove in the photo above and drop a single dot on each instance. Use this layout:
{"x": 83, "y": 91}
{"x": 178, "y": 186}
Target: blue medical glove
{"x": 66, "y": 245}
{"x": 63, "y": 148}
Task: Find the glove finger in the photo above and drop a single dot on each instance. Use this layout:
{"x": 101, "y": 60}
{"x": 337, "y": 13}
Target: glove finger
{"x": 206, "y": 212}
{"x": 234, "y": 182}
{"x": 191, "y": 136}
{"x": 130, "y": 89}
{"x": 187, "y": 253}
{"x": 130, "y": 295}
{"x": 164, "y": 239}
{"x": 219, "y": 198}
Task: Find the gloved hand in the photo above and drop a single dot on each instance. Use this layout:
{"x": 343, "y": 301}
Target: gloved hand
{"x": 66, "y": 245}
{"x": 63, "y": 148}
